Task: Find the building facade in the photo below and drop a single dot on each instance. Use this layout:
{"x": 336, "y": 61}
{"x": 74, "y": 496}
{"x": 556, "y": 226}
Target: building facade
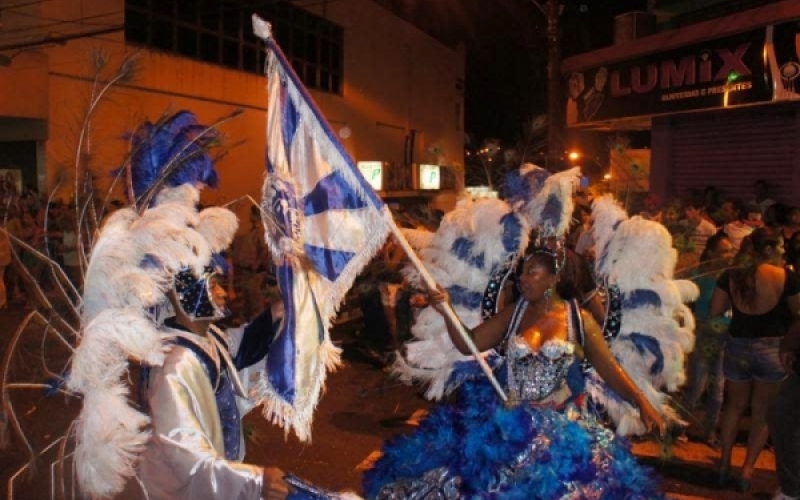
{"x": 392, "y": 92}
{"x": 718, "y": 90}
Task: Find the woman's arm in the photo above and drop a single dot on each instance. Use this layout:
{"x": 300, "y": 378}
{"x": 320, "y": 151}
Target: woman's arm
{"x": 485, "y": 336}
{"x": 720, "y": 302}
{"x": 603, "y": 360}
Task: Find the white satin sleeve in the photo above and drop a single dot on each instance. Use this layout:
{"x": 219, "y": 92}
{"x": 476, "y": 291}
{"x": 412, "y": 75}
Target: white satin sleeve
{"x": 185, "y": 457}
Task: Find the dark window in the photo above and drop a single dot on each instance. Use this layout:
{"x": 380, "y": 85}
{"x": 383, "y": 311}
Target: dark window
{"x": 251, "y": 59}
{"x": 209, "y": 48}
{"x": 231, "y": 22}
{"x": 230, "y": 53}
{"x": 164, "y": 7}
{"x": 187, "y": 12}
{"x": 161, "y": 34}
{"x": 136, "y": 24}
{"x": 187, "y": 41}
{"x": 219, "y": 32}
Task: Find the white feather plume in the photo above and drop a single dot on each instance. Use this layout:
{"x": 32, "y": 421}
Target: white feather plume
{"x": 561, "y": 185}
{"x": 661, "y": 317}
{"x": 185, "y": 194}
{"x": 110, "y": 435}
{"x": 218, "y": 226}
{"x": 607, "y": 215}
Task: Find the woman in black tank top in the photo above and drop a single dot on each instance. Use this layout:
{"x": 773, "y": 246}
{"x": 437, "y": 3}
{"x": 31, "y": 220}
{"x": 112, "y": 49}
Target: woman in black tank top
{"x": 765, "y": 300}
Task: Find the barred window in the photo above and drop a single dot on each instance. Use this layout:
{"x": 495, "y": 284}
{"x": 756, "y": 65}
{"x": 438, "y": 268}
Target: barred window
{"x": 219, "y": 32}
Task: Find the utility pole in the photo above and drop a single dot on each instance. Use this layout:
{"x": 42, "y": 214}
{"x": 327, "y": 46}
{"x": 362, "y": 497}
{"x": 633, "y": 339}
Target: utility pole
{"x": 555, "y": 133}
{"x": 555, "y": 122}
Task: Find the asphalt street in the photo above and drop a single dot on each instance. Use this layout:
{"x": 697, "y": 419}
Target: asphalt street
{"x": 362, "y": 406}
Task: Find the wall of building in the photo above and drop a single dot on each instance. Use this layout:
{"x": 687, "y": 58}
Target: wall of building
{"x": 396, "y": 79}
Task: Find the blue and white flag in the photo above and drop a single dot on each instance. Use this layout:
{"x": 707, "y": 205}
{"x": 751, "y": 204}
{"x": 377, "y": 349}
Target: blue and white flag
{"x": 323, "y": 224}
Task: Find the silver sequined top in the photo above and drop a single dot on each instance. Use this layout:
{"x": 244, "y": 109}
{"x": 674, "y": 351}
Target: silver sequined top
{"x": 535, "y": 375}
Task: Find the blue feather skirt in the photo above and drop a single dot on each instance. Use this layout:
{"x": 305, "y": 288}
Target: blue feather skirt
{"x": 479, "y": 449}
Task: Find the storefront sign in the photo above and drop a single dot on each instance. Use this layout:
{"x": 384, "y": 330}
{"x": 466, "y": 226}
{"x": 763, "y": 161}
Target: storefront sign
{"x": 717, "y": 73}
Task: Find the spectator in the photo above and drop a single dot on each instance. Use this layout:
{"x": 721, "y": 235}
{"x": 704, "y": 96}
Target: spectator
{"x": 70, "y": 248}
{"x": 585, "y": 243}
{"x": 791, "y": 224}
{"x": 699, "y": 227}
{"x": 31, "y": 234}
{"x": 761, "y": 193}
{"x": 705, "y": 362}
{"x": 652, "y": 208}
{"x": 784, "y": 419}
{"x": 765, "y": 300}
{"x": 5, "y": 261}
{"x": 793, "y": 252}
{"x": 13, "y": 227}
{"x": 775, "y": 215}
{"x": 712, "y": 204}
{"x": 251, "y": 259}
{"x": 739, "y": 229}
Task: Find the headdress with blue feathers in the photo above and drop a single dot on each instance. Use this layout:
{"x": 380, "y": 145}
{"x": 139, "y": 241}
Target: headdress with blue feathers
{"x": 169, "y": 153}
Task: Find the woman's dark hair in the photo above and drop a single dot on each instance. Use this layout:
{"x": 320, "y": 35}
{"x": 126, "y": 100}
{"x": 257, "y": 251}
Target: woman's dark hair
{"x": 542, "y": 256}
{"x": 712, "y": 245}
{"x": 744, "y": 279}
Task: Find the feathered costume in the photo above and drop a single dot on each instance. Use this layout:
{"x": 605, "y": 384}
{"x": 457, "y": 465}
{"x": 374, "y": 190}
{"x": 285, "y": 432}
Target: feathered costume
{"x": 478, "y": 448}
{"x": 187, "y": 442}
{"x": 471, "y": 256}
{"x": 649, "y": 327}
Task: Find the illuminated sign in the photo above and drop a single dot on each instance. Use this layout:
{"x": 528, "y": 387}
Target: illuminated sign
{"x": 429, "y": 177}
{"x": 373, "y": 173}
{"x": 711, "y": 74}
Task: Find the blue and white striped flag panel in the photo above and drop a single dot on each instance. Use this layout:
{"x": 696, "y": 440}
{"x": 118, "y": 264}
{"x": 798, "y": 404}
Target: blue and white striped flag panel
{"x": 323, "y": 224}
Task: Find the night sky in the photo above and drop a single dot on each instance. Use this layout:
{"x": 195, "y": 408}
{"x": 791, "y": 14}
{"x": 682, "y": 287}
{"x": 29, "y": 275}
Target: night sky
{"x": 506, "y": 76}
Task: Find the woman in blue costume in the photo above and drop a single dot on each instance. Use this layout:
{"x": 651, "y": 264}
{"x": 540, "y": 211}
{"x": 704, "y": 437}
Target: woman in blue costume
{"x": 544, "y": 443}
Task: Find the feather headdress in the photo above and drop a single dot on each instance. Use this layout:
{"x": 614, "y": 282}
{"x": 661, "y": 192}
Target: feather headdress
{"x": 171, "y": 152}
{"x": 131, "y": 268}
{"x": 470, "y": 255}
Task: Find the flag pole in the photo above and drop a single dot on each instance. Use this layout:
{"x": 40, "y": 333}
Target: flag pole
{"x": 447, "y": 309}
{"x": 263, "y": 30}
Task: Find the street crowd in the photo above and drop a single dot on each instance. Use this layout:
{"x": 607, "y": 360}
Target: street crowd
{"x": 744, "y": 256}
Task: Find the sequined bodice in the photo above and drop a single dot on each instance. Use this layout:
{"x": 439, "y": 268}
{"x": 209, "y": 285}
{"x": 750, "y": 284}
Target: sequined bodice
{"x": 532, "y": 376}
{"x": 535, "y": 375}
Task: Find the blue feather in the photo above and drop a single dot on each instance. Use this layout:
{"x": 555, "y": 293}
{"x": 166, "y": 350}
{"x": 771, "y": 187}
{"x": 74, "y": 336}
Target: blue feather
{"x": 645, "y": 343}
{"x": 462, "y": 248}
{"x": 54, "y": 384}
{"x": 463, "y": 297}
{"x": 177, "y": 139}
{"x": 553, "y": 212}
{"x": 478, "y": 438}
{"x": 519, "y": 188}
{"x": 640, "y": 297}
{"x": 512, "y": 232}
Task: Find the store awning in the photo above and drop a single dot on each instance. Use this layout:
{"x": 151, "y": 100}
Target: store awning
{"x": 707, "y": 30}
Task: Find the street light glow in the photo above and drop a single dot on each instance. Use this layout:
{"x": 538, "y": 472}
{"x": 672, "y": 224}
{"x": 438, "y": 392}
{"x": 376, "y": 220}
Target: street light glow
{"x": 574, "y": 155}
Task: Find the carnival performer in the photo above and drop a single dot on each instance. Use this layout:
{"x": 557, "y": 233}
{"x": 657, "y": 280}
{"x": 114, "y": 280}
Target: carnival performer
{"x": 151, "y": 295}
{"x": 543, "y": 444}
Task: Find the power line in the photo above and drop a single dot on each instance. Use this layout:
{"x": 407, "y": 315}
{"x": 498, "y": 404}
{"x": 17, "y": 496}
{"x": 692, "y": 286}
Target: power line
{"x": 26, "y": 4}
{"x": 56, "y": 22}
{"x": 57, "y": 40}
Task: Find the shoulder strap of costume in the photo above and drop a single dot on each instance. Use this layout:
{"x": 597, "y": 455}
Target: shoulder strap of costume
{"x": 576, "y": 333}
{"x": 513, "y": 325}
